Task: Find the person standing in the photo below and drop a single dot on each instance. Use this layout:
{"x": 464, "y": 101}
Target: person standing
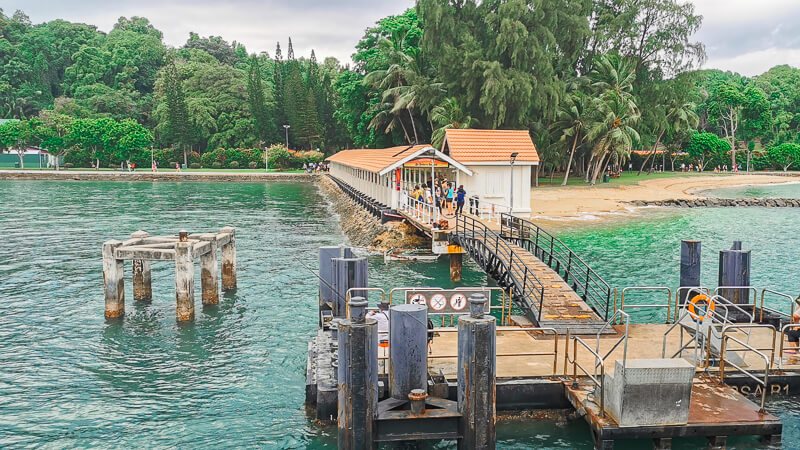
{"x": 449, "y": 198}
{"x": 461, "y": 195}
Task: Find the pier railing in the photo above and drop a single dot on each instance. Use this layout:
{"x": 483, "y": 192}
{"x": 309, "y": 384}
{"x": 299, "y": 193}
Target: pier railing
{"x": 498, "y": 258}
{"x": 550, "y": 250}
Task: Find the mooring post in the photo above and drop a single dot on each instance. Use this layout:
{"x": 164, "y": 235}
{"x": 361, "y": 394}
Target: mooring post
{"x": 734, "y": 270}
{"x": 690, "y": 267}
{"x": 408, "y": 349}
{"x": 113, "y": 272}
{"x": 209, "y": 281}
{"x": 229, "y": 261}
{"x": 142, "y": 284}
{"x": 455, "y": 266}
{"x": 357, "y": 377}
{"x": 184, "y": 279}
{"x": 476, "y": 376}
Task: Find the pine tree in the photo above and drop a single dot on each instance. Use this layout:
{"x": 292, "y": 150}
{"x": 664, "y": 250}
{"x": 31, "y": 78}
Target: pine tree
{"x": 259, "y": 106}
{"x": 290, "y": 51}
{"x": 278, "y": 54}
{"x": 178, "y": 127}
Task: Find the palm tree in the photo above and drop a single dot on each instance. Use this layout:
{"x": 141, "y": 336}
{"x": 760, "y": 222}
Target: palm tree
{"x": 445, "y": 116}
{"x": 571, "y": 122}
{"x": 679, "y": 117}
{"x": 613, "y": 134}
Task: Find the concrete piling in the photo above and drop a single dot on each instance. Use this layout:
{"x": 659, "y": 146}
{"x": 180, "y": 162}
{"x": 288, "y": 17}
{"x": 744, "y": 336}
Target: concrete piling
{"x": 142, "y": 284}
{"x": 734, "y": 270}
{"x": 357, "y": 378}
{"x": 113, "y": 272}
{"x": 349, "y": 273}
{"x": 408, "y": 349}
{"x": 690, "y": 266}
{"x": 209, "y": 280}
{"x": 229, "y": 261}
{"x": 184, "y": 280}
{"x": 477, "y": 370}
{"x": 455, "y": 266}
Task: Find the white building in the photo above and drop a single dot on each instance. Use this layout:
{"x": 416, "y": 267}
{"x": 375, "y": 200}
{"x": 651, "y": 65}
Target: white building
{"x": 492, "y": 165}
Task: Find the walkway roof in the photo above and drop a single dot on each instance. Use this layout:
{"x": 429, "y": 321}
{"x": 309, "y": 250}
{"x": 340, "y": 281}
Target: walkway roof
{"x": 472, "y": 146}
{"x": 384, "y": 160}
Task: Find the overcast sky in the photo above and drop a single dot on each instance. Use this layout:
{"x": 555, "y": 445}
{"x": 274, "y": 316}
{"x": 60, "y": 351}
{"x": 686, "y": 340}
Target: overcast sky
{"x": 746, "y": 36}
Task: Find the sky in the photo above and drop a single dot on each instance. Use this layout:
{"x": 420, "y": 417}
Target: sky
{"x": 745, "y": 36}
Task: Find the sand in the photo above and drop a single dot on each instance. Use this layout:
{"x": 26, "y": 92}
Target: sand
{"x": 578, "y": 201}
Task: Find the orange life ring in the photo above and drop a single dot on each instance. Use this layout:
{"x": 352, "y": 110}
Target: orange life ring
{"x": 709, "y": 307}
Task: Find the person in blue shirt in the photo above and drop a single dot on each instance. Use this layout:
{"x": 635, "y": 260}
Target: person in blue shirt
{"x": 449, "y": 198}
{"x": 460, "y": 196}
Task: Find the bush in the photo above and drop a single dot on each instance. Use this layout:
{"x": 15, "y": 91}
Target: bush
{"x": 216, "y": 165}
{"x": 281, "y": 158}
{"x": 194, "y": 165}
{"x": 172, "y": 164}
{"x": 253, "y": 165}
{"x": 68, "y": 166}
{"x": 78, "y": 157}
{"x": 234, "y": 164}
{"x": 113, "y": 166}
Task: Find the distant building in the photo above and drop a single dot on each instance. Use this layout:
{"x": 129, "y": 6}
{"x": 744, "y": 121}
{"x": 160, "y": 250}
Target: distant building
{"x": 481, "y": 160}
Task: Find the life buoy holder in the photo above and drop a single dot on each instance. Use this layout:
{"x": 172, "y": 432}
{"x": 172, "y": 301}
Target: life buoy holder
{"x": 705, "y": 303}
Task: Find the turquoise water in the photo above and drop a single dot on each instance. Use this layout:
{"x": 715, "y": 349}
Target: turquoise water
{"x": 787, "y": 190}
{"x": 235, "y": 376}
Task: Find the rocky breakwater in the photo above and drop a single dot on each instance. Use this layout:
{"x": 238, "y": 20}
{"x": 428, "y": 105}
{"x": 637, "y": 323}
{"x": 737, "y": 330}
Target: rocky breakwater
{"x": 721, "y": 202}
{"x": 365, "y": 230}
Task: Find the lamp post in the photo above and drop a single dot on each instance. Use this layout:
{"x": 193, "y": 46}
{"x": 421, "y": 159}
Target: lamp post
{"x": 511, "y": 199}
{"x": 286, "y": 127}
{"x": 152, "y": 161}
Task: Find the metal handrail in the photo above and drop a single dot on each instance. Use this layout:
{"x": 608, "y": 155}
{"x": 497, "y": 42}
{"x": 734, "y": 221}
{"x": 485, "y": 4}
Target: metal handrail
{"x": 690, "y": 289}
{"x": 749, "y": 288}
{"x": 598, "y": 363}
{"x": 783, "y": 333}
{"x": 423, "y": 211}
{"x": 767, "y": 364}
{"x": 626, "y": 320}
{"x": 668, "y": 305}
{"x": 560, "y": 258}
{"x": 681, "y": 346}
{"x": 750, "y": 326}
{"x": 523, "y": 281}
{"x": 780, "y": 294}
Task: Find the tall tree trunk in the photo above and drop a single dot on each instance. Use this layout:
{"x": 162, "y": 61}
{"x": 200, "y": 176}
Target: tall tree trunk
{"x": 97, "y": 164}
{"x": 58, "y": 157}
{"x": 21, "y": 156}
{"x": 569, "y": 164}
{"x": 599, "y": 167}
{"x": 536, "y": 183}
{"x": 652, "y": 153}
{"x": 589, "y": 169}
{"x": 185, "y": 159}
{"x": 413, "y": 126}
{"x": 405, "y": 131}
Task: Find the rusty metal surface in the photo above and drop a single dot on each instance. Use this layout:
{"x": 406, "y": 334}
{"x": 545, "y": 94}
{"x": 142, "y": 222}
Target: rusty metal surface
{"x": 715, "y": 403}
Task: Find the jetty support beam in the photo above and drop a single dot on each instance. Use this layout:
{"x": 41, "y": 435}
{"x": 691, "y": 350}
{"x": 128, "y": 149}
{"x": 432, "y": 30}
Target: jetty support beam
{"x": 209, "y": 280}
{"x": 357, "y": 378}
{"x": 690, "y": 267}
{"x": 408, "y": 349}
{"x": 113, "y": 272}
{"x": 477, "y": 370}
{"x": 184, "y": 280}
{"x": 456, "y": 261}
{"x": 142, "y": 283}
{"x": 229, "y": 260}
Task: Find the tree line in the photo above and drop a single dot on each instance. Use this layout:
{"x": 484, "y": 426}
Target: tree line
{"x": 591, "y": 79}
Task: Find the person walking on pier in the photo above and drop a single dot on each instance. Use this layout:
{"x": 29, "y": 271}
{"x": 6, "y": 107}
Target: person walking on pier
{"x": 460, "y": 197}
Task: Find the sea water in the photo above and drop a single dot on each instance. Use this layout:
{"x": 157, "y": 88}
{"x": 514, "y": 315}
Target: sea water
{"x": 235, "y": 376}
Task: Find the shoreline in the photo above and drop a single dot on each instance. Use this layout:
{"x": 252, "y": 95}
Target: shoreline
{"x": 147, "y": 176}
{"x": 572, "y": 204}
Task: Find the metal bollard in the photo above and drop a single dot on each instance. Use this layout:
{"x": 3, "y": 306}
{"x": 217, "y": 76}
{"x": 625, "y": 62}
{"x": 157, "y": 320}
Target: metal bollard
{"x": 734, "y": 270}
{"x": 690, "y": 266}
{"x": 416, "y": 399}
{"x": 408, "y": 349}
{"x": 477, "y": 368}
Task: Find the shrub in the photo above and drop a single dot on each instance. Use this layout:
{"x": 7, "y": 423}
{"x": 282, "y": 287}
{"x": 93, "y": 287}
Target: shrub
{"x": 194, "y": 165}
{"x": 79, "y": 157}
{"x": 68, "y": 166}
{"x": 234, "y": 165}
{"x": 172, "y": 164}
{"x": 216, "y": 165}
{"x": 253, "y": 165}
{"x": 113, "y": 166}
{"x": 281, "y": 158}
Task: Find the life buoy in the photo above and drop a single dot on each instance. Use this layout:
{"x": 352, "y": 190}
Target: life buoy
{"x": 708, "y": 306}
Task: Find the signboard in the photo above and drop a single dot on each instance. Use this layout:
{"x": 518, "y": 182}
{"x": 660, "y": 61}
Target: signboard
{"x": 447, "y": 301}
{"x": 426, "y": 162}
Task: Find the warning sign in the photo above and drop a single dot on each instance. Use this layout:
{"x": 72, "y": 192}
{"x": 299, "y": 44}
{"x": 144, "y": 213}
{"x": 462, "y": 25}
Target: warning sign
{"x": 446, "y": 301}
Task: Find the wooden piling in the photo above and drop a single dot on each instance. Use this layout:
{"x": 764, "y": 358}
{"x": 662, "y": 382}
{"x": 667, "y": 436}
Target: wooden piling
{"x": 142, "y": 283}
{"x": 357, "y": 378}
{"x": 113, "y": 272}
{"x": 229, "y": 261}
{"x": 184, "y": 281}
{"x": 209, "y": 280}
{"x": 477, "y": 369}
{"x": 455, "y": 266}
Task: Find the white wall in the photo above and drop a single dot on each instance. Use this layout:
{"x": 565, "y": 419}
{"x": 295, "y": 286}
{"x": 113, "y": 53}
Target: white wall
{"x": 493, "y": 184}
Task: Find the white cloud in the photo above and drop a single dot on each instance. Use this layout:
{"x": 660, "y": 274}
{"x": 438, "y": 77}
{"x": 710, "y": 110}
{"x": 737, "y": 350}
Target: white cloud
{"x": 758, "y": 62}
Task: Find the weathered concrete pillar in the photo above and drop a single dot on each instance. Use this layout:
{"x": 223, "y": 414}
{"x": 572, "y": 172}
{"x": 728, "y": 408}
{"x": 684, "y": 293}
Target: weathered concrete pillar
{"x": 209, "y": 280}
{"x": 184, "y": 280}
{"x": 357, "y": 378}
{"x": 455, "y": 266}
{"x": 229, "y": 261}
{"x": 408, "y": 349}
{"x": 734, "y": 270}
{"x": 142, "y": 283}
{"x": 114, "y": 285}
{"x": 690, "y": 266}
{"x": 476, "y": 376}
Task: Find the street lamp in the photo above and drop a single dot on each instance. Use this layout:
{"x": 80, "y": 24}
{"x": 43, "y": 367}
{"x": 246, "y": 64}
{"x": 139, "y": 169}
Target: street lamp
{"x": 152, "y": 161}
{"x": 511, "y": 199}
{"x": 286, "y": 127}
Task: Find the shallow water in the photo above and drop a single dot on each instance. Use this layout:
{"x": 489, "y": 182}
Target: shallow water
{"x": 235, "y": 376}
{"x": 784, "y": 190}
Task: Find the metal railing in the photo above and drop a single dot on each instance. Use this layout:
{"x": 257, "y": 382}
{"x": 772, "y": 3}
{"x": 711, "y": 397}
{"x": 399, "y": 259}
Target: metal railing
{"x": 745, "y": 347}
{"x": 775, "y": 311}
{"x": 424, "y": 212}
{"x": 485, "y": 209}
{"x": 783, "y": 334}
{"x": 496, "y": 256}
{"x": 668, "y": 305}
{"x": 572, "y": 268}
{"x": 599, "y": 361}
{"x": 370, "y": 204}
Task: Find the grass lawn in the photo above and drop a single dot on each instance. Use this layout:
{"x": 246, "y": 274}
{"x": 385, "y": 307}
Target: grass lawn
{"x": 625, "y": 179}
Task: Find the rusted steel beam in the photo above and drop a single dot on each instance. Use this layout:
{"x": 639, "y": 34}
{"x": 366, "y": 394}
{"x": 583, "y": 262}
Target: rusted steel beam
{"x": 113, "y": 271}
{"x": 142, "y": 284}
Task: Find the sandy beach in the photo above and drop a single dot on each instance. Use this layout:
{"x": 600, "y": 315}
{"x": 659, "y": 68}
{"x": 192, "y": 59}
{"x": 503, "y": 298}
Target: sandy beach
{"x": 577, "y": 201}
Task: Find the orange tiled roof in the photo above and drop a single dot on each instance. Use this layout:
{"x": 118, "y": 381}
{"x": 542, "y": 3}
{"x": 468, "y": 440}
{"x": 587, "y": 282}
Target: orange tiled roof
{"x": 470, "y": 146}
{"x": 374, "y": 159}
